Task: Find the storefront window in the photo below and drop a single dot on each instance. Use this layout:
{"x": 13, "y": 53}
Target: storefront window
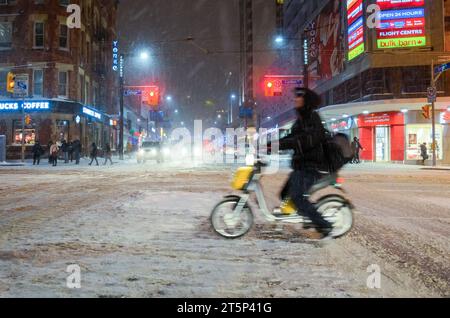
{"x": 30, "y": 134}
{"x": 419, "y": 134}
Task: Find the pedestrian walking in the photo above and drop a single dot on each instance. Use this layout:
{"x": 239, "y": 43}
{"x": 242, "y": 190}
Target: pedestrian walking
{"x": 65, "y": 151}
{"x": 50, "y": 158}
{"x": 356, "y": 148}
{"x": 37, "y": 153}
{"x": 77, "y": 151}
{"x": 94, "y": 153}
{"x": 54, "y": 149}
{"x": 424, "y": 152}
{"x": 129, "y": 149}
{"x": 70, "y": 151}
{"x": 108, "y": 154}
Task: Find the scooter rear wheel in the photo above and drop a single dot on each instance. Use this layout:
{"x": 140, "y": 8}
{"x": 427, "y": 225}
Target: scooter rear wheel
{"x": 227, "y": 223}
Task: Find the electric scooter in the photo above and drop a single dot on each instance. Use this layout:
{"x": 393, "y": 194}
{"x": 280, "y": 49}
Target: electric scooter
{"x": 233, "y": 217}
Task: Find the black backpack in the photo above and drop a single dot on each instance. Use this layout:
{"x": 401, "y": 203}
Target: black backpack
{"x": 338, "y": 151}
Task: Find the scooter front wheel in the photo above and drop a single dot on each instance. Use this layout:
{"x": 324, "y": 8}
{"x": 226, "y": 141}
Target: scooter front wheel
{"x": 337, "y": 211}
{"x": 229, "y": 224}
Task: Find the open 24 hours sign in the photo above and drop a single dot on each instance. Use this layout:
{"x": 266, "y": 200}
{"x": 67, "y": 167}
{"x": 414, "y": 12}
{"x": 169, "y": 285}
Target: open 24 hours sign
{"x": 402, "y": 24}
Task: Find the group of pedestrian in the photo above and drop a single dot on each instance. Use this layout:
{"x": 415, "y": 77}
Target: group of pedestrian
{"x": 71, "y": 151}
{"x": 107, "y": 154}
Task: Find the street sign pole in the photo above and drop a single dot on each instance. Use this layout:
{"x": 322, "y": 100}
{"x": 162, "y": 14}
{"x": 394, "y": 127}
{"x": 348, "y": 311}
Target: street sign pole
{"x": 21, "y": 90}
{"x": 23, "y": 128}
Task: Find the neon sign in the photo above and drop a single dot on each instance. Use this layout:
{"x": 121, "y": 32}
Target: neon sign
{"x": 404, "y": 28}
{"x": 27, "y": 106}
{"x": 355, "y": 28}
{"x": 395, "y": 4}
{"x": 115, "y": 56}
{"x": 92, "y": 113}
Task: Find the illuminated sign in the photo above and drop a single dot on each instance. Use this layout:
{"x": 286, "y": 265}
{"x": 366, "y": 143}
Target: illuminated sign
{"x": 115, "y": 56}
{"x": 92, "y": 113}
{"x": 27, "y": 106}
{"x": 351, "y": 3}
{"x": 9, "y": 106}
{"x": 403, "y": 24}
{"x": 36, "y": 106}
{"x": 356, "y": 51}
{"x": 395, "y": 4}
{"x": 401, "y": 33}
{"x": 404, "y": 28}
{"x": 355, "y": 12}
{"x": 355, "y": 31}
{"x": 402, "y": 14}
{"x": 401, "y": 42}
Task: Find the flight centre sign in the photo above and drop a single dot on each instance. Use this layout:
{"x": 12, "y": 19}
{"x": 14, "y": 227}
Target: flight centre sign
{"x": 402, "y": 24}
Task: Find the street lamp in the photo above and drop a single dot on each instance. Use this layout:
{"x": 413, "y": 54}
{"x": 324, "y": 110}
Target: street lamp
{"x": 143, "y": 56}
{"x": 232, "y": 98}
{"x": 280, "y": 41}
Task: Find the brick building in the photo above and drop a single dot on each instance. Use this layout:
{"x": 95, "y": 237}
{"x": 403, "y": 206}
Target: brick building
{"x": 72, "y": 87}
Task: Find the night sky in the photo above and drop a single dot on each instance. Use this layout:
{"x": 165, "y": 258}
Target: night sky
{"x": 183, "y": 69}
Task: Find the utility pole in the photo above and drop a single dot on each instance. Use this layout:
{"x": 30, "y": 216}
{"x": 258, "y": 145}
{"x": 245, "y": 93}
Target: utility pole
{"x": 246, "y": 26}
{"x": 121, "y": 92}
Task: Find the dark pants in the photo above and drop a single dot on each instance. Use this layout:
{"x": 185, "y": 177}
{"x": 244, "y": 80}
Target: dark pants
{"x": 77, "y": 157}
{"x": 55, "y": 160}
{"x": 36, "y": 159}
{"x": 356, "y": 158}
{"x": 299, "y": 183}
{"x": 94, "y": 158}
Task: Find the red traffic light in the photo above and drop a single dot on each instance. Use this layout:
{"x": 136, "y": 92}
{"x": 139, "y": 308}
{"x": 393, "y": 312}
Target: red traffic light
{"x": 269, "y": 88}
{"x": 152, "y": 96}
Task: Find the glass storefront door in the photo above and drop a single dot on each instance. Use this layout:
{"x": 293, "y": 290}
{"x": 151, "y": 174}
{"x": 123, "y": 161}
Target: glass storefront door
{"x": 382, "y": 144}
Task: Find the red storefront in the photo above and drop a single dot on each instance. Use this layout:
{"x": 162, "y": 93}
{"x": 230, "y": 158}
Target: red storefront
{"x": 383, "y": 136}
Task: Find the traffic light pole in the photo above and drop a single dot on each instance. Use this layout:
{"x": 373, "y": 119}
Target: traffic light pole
{"x": 433, "y": 117}
{"x": 23, "y": 129}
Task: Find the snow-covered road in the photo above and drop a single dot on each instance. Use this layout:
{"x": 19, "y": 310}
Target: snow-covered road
{"x": 143, "y": 231}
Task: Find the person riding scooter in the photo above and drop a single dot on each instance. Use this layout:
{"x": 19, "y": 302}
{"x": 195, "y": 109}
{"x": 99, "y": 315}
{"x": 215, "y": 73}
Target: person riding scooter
{"x": 306, "y": 139}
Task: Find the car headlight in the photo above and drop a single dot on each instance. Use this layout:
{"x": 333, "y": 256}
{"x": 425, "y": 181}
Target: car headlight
{"x": 154, "y": 152}
{"x": 166, "y": 151}
{"x": 142, "y": 152}
{"x": 198, "y": 151}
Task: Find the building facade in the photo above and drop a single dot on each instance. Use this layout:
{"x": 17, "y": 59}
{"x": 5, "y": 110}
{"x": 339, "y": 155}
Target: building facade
{"x": 72, "y": 89}
{"x": 373, "y": 78}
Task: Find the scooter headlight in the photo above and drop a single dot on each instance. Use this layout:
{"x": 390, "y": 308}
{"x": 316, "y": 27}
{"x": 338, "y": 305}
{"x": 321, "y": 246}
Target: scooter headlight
{"x": 250, "y": 160}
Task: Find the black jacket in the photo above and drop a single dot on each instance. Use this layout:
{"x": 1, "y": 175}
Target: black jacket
{"x": 306, "y": 139}
{"x": 37, "y": 150}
